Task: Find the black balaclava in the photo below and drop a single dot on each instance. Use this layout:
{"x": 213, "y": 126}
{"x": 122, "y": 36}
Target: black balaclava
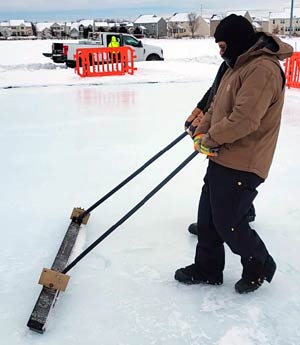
{"x": 239, "y": 35}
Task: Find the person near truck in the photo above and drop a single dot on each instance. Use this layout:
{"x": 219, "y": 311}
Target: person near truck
{"x": 114, "y": 43}
{"x": 238, "y": 135}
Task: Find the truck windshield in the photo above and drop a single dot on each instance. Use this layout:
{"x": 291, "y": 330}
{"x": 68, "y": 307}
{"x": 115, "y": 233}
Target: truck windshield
{"x": 131, "y": 41}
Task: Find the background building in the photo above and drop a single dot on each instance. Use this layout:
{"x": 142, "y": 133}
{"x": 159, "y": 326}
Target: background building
{"x": 16, "y": 28}
{"x": 188, "y": 25}
{"x": 280, "y": 22}
{"x": 155, "y": 26}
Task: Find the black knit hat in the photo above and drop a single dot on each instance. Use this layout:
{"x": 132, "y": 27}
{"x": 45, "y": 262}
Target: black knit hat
{"x": 238, "y": 33}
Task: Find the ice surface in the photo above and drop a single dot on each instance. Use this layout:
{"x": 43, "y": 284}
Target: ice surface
{"x": 64, "y": 146}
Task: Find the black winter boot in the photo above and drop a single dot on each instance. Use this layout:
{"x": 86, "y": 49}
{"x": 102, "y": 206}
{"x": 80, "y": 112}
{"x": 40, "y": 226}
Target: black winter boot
{"x": 245, "y": 286}
{"x": 193, "y": 229}
{"x": 189, "y": 275}
{"x": 251, "y": 218}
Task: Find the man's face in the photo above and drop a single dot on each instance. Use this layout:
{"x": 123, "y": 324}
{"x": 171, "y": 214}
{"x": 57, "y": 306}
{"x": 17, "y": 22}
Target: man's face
{"x": 222, "y": 46}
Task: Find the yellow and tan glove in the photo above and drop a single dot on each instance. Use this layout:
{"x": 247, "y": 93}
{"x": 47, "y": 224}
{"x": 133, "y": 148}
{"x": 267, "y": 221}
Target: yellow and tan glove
{"x": 197, "y": 142}
{"x": 211, "y": 152}
{"x": 200, "y": 141}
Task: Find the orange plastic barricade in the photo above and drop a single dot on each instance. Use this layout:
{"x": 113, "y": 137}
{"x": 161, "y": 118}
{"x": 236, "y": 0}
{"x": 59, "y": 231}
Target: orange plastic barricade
{"x": 98, "y": 62}
{"x": 292, "y": 70}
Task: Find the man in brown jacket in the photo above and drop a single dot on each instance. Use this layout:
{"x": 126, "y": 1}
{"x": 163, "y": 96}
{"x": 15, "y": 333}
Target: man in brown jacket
{"x": 193, "y": 121}
{"x": 238, "y": 134}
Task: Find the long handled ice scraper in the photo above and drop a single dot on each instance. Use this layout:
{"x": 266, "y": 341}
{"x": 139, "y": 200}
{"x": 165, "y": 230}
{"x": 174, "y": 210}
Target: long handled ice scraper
{"x": 55, "y": 279}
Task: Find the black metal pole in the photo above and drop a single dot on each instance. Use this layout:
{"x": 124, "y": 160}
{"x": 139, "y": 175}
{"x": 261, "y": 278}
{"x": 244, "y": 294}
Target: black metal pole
{"x": 130, "y": 213}
{"x": 291, "y": 18}
{"x": 129, "y": 178}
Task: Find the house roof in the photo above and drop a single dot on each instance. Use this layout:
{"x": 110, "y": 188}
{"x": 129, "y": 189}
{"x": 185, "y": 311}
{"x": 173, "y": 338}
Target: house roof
{"x": 256, "y": 25}
{"x": 260, "y": 19}
{"x": 216, "y": 17}
{"x": 74, "y": 29}
{"x": 180, "y": 17}
{"x": 64, "y": 23}
{"x": 103, "y": 24}
{"x": 238, "y": 13}
{"x": 86, "y": 22}
{"x": 184, "y": 17}
{"x": 206, "y": 16}
{"x": 147, "y": 19}
{"x": 16, "y": 22}
{"x": 112, "y": 25}
{"x": 47, "y": 25}
{"x": 42, "y": 26}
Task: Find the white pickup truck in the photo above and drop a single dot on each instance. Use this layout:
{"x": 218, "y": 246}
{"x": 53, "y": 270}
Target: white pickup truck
{"x": 64, "y": 52}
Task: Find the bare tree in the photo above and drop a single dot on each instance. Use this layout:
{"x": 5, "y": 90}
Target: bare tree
{"x": 193, "y": 22}
{"x": 5, "y": 32}
{"x": 173, "y": 29}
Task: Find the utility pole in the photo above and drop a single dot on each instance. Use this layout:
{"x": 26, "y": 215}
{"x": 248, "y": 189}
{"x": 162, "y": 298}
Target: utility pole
{"x": 201, "y": 10}
{"x": 291, "y": 18}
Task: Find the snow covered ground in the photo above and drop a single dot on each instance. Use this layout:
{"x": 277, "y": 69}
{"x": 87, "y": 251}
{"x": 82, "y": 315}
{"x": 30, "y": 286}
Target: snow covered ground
{"x": 66, "y": 141}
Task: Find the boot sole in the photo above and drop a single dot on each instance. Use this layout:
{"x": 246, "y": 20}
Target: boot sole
{"x": 248, "y": 290}
{"x": 182, "y": 278}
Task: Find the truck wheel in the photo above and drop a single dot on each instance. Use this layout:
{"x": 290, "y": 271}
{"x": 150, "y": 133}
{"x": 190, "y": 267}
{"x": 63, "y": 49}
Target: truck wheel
{"x": 71, "y": 64}
{"x": 153, "y": 57}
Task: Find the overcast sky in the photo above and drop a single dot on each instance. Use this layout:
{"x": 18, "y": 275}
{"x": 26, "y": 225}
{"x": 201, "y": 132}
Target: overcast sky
{"x": 136, "y": 7}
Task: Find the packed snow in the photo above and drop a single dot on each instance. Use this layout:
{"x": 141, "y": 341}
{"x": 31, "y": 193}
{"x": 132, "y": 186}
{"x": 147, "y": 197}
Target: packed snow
{"x": 66, "y": 141}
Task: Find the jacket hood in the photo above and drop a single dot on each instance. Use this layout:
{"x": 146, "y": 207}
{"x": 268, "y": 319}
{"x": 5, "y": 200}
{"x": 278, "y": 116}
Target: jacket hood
{"x": 266, "y": 44}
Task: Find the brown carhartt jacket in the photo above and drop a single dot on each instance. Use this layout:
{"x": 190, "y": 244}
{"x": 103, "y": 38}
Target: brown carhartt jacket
{"x": 245, "y": 115}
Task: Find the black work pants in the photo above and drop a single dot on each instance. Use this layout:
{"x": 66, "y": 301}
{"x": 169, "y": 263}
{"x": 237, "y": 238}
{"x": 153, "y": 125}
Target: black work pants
{"x": 225, "y": 201}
